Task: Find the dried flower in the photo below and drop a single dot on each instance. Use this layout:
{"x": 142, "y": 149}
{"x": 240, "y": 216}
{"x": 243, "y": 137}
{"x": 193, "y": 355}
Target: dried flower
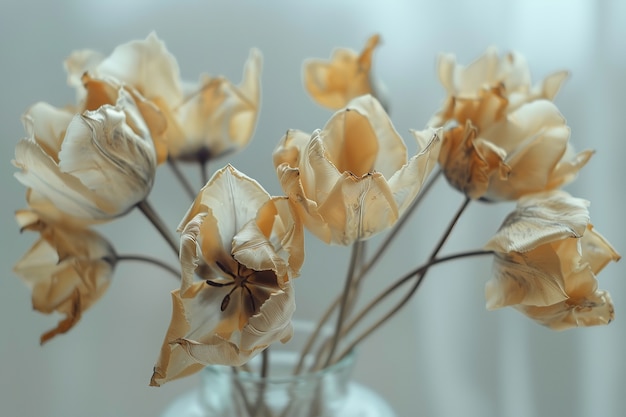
{"x": 489, "y": 71}
{"x": 68, "y": 269}
{"x": 204, "y": 120}
{"x": 504, "y": 138}
{"x": 351, "y": 179}
{"x": 248, "y": 246}
{"x": 93, "y": 166}
{"x": 547, "y": 259}
{"x": 346, "y": 76}
{"x": 524, "y": 152}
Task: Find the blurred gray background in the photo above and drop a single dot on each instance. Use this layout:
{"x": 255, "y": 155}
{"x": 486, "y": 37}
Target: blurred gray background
{"x": 444, "y": 355}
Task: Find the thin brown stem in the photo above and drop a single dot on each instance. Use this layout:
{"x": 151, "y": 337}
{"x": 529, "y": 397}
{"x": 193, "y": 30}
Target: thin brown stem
{"x": 365, "y": 267}
{"x": 261, "y": 407}
{"x": 147, "y": 209}
{"x": 420, "y": 277}
{"x": 204, "y": 171}
{"x": 148, "y": 259}
{"x": 396, "y": 286}
{"x": 345, "y": 299}
{"x": 398, "y": 226}
{"x": 181, "y": 178}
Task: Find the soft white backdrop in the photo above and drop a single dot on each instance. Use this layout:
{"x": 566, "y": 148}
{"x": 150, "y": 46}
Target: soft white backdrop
{"x": 444, "y": 355}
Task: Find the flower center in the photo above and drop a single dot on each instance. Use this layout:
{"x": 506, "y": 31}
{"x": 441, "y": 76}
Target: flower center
{"x": 257, "y": 286}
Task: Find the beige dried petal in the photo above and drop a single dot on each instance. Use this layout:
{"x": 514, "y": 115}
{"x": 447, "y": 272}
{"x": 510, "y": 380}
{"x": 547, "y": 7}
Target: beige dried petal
{"x": 147, "y": 66}
{"x": 273, "y": 241}
{"x": 517, "y": 279}
{"x": 539, "y": 219}
{"x": 333, "y": 83}
{"x": 246, "y": 247}
{"x": 352, "y": 179}
{"x": 198, "y": 336}
{"x": 593, "y": 310}
{"x": 68, "y": 270}
{"x": 218, "y": 116}
{"x": 47, "y": 125}
{"x": 547, "y": 256}
{"x": 103, "y": 169}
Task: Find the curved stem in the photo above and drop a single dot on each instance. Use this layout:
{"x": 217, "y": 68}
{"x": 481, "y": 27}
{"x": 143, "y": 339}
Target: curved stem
{"x": 364, "y": 268}
{"x": 181, "y": 178}
{"x": 420, "y": 277}
{"x": 345, "y": 299}
{"x": 147, "y": 209}
{"x": 148, "y": 259}
{"x": 397, "y": 285}
{"x": 398, "y": 226}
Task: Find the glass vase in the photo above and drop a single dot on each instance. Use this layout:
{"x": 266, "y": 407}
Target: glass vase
{"x": 329, "y": 392}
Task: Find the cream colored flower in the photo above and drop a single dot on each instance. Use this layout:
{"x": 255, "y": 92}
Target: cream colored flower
{"x": 247, "y": 247}
{"x": 352, "y": 179}
{"x": 67, "y": 269}
{"x": 503, "y": 136}
{"x": 345, "y": 76}
{"x": 204, "y": 120}
{"x": 510, "y": 72}
{"x": 546, "y": 262}
{"x": 92, "y": 166}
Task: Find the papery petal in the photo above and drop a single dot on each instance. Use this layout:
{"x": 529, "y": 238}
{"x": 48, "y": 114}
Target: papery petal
{"x": 290, "y": 148}
{"x": 515, "y": 281}
{"x": 218, "y": 116}
{"x": 274, "y": 241}
{"x": 464, "y": 81}
{"x": 305, "y": 208}
{"x": 407, "y": 182}
{"x": 47, "y": 125}
{"x": 550, "y": 86}
{"x": 146, "y": 65}
{"x": 41, "y": 173}
{"x": 347, "y": 75}
{"x": 593, "y": 310}
{"x": 540, "y": 219}
{"x": 597, "y": 252}
{"x": 173, "y": 361}
{"x": 110, "y": 159}
{"x": 67, "y": 271}
{"x": 103, "y": 168}
{"x": 195, "y": 338}
{"x": 357, "y": 208}
{"x": 190, "y": 250}
{"x": 79, "y": 63}
{"x": 362, "y": 139}
{"x": 233, "y": 198}
{"x": 469, "y": 163}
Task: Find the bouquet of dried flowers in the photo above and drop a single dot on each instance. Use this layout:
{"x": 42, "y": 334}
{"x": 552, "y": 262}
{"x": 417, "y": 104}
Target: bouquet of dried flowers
{"x": 497, "y": 137}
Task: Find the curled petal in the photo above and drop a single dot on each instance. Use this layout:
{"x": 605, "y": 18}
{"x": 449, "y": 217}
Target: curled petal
{"x": 540, "y": 219}
{"x": 351, "y": 179}
{"x": 147, "y": 66}
{"x": 197, "y": 337}
{"x": 103, "y": 169}
{"x": 47, "y": 124}
{"x": 218, "y": 116}
{"x": 346, "y": 76}
{"x": 233, "y": 199}
{"x": 274, "y": 241}
{"x": 515, "y": 282}
{"x": 593, "y": 310}
{"x": 67, "y": 270}
{"x": 547, "y": 256}
{"x": 407, "y": 182}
